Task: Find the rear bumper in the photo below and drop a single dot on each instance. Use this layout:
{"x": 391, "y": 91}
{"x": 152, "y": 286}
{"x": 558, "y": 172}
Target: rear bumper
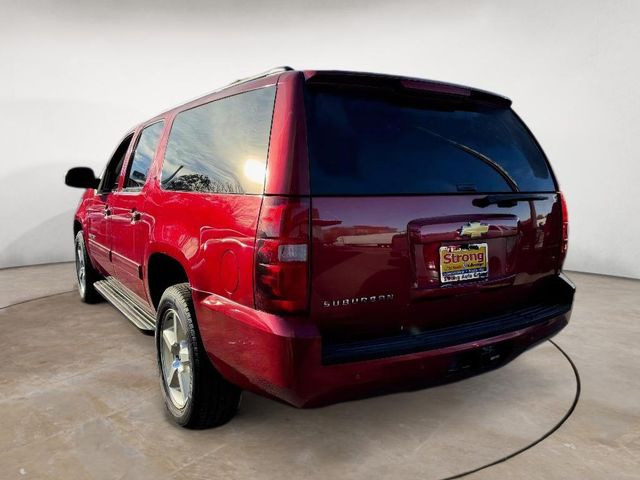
{"x": 285, "y": 358}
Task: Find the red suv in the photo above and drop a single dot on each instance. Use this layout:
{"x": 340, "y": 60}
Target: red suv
{"x": 316, "y": 236}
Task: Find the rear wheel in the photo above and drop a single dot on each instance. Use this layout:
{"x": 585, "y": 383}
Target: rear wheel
{"x": 86, "y": 275}
{"x": 195, "y": 394}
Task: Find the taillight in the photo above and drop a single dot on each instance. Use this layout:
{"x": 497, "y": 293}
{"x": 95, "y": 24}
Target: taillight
{"x": 565, "y": 227}
{"x": 282, "y": 255}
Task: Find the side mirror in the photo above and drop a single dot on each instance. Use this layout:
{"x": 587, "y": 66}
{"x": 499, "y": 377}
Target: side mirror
{"x": 81, "y": 177}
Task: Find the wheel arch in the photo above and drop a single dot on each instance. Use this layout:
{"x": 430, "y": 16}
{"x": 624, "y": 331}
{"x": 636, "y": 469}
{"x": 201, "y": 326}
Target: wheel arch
{"x": 163, "y": 271}
{"x": 77, "y": 226}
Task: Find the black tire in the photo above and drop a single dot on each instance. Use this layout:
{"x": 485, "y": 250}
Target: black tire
{"x": 88, "y": 293}
{"x": 212, "y": 400}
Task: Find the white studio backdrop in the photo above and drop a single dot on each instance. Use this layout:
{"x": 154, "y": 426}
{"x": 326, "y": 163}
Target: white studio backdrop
{"x": 76, "y": 75}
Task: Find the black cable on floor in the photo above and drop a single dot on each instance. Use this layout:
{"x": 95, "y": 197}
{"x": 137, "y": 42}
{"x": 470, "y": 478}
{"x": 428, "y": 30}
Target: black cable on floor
{"x": 543, "y": 437}
{"x": 21, "y": 302}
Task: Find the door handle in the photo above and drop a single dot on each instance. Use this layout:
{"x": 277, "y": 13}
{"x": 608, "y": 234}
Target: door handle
{"x": 106, "y": 212}
{"x": 135, "y": 215}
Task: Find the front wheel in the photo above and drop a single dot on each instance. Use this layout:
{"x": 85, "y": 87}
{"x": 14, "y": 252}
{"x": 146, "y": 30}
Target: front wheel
{"x": 195, "y": 394}
{"x": 85, "y": 273}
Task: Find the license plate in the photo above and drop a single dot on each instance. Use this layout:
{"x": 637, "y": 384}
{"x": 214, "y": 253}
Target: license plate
{"x": 463, "y": 262}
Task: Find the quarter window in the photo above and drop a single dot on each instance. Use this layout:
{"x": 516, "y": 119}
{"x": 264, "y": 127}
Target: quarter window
{"x": 143, "y": 155}
{"x": 221, "y": 147}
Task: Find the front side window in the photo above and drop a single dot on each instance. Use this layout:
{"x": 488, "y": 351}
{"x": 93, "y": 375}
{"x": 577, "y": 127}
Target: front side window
{"x": 114, "y": 167}
{"x": 143, "y": 155}
{"x": 222, "y": 146}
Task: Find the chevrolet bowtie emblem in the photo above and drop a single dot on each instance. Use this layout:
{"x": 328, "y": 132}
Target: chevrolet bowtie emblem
{"x": 474, "y": 229}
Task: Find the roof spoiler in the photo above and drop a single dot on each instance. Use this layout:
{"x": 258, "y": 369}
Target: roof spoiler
{"x": 395, "y": 83}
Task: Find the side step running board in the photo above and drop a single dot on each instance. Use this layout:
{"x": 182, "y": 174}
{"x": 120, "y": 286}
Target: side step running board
{"x": 127, "y": 303}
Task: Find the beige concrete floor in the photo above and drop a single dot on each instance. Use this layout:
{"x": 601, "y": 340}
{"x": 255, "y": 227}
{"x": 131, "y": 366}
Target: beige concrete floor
{"x": 25, "y": 283}
{"x": 80, "y": 399}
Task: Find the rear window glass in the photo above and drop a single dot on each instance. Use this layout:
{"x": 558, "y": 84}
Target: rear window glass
{"x": 375, "y": 145}
{"x": 220, "y": 147}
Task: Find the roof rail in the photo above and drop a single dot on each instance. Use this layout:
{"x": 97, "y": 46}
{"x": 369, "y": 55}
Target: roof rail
{"x": 271, "y": 71}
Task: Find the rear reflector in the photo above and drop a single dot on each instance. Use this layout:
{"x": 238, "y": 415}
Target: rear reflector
{"x": 282, "y": 249}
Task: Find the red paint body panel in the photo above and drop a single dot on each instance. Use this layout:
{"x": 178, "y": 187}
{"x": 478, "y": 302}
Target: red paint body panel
{"x": 128, "y": 239}
{"x": 359, "y": 247}
{"x": 97, "y": 228}
{"x": 214, "y": 226}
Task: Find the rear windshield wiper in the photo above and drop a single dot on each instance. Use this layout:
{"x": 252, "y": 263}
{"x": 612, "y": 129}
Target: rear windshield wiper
{"x": 492, "y": 163}
{"x": 507, "y": 200}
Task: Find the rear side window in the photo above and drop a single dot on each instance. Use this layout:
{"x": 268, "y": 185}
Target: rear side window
{"x": 373, "y": 145}
{"x": 221, "y": 147}
{"x": 143, "y": 155}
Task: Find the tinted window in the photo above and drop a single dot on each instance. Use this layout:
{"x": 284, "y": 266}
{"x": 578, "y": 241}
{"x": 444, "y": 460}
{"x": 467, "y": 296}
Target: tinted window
{"x": 365, "y": 145}
{"x": 221, "y": 146}
{"x": 114, "y": 167}
{"x": 143, "y": 155}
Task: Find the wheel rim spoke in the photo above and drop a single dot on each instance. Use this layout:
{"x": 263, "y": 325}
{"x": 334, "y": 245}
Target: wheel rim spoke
{"x": 175, "y": 326}
{"x": 169, "y": 338}
{"x": 184, "y": 354}
{"x": 175, "y": 356}
{"x": 80, "y": 267}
